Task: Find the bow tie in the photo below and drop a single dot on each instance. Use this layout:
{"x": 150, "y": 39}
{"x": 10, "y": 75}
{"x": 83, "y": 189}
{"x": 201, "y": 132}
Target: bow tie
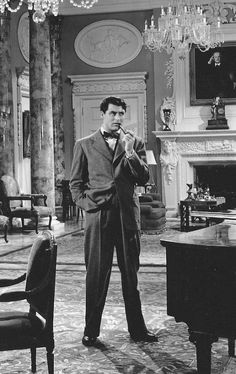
{"x": 109, "y": 135}
{"x": 217, "y": 64}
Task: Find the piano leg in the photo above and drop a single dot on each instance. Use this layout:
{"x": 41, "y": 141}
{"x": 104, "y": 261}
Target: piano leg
{"x": 203, "y": 343}
{"x": 231, "y": 347}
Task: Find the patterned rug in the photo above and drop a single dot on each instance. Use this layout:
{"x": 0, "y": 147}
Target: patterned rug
{"x": 70, "y": 249}
{"x": 116, "y": 353}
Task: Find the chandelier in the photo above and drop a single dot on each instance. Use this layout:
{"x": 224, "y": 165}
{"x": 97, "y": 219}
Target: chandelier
{"x": 180, "y": 26}
{"x": 42, "y": 7}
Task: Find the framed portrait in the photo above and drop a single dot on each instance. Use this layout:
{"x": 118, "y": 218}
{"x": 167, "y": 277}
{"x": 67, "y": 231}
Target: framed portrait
{"x": 212, "y": 74}
{"x": 26, "y": 133}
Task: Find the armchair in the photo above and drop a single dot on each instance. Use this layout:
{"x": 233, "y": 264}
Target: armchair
{"x": 33, "y": 329}
{"x": 23, "y": 206}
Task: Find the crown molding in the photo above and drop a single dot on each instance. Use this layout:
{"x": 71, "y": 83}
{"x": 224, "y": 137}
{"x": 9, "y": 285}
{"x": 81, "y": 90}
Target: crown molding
{"x": 113, "y": 6}
{"x": 110, "y": 6}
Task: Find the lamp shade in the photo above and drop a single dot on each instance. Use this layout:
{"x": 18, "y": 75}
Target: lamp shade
{"x": 150, "y": 158}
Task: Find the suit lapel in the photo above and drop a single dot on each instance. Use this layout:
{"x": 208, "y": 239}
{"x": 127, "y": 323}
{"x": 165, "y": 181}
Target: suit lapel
{"x": 119, "y": 151}
{"x": 100, "y": 145}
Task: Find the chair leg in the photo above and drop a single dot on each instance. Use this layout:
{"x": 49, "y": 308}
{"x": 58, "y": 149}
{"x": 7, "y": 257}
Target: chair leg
{"x": 64, "y": 210}
{"x": 50, "y": 222}
{"x": 33, "y": 359}
{"x": 5, "y": 233}
{"x": 10, "y": 223}
{"x": 50, "y": 361}
{"x": 78, "y": 214}
{"x": 36, "y": 224}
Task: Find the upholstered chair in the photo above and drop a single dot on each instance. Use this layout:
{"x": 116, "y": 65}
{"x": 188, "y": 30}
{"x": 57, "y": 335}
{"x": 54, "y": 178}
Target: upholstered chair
{"x": 32, "y": 328}
{"x": 23, "y": 206}
{"x": 153, "y": 213}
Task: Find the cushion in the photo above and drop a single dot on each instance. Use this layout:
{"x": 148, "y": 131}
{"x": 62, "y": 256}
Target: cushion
{"x": 22, "y": 212}
{"x": 145, "y": 198}
{"x": 154, "y": 196}
{"x": 13, "y": 324}
{"x": 157, "y": 204}
{"x": 145, "y": 209}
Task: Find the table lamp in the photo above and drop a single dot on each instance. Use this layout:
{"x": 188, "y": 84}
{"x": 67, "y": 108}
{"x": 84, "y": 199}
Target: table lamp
{"x": 150, "y": 161}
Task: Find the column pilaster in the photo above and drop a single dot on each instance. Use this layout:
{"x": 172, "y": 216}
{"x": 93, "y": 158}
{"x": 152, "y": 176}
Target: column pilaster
{"x": 57, "y": 104}
{"x": 42, "y": 147}
{"x": 6, "y": 104}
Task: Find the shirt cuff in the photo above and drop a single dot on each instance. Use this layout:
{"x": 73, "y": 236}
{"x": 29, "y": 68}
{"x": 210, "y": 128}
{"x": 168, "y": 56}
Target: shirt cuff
{"x": 130, "y": 154}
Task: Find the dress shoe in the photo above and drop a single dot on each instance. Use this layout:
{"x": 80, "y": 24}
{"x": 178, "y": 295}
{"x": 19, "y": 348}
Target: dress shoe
{"x": 147, "y": 336}
{"x": 89, "y": 341}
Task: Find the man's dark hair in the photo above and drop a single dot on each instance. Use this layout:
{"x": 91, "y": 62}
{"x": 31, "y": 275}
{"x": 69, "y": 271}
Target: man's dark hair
{"x": 112, "y": 100}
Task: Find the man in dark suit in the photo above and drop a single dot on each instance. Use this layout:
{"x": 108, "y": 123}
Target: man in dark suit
{"x": 106, "y": 167}
{"x": 221, "y": 82}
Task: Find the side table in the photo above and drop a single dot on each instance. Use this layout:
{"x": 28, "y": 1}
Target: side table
{"x": 185, "y": 209}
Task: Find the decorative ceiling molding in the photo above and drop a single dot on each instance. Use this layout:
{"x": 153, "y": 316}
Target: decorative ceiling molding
{"x": 111, "y": 6}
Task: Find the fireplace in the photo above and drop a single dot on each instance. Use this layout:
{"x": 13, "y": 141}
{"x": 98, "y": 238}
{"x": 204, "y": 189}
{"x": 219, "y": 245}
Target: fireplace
{"x": 207, "y": 157}
{"x": 220, "y": 178}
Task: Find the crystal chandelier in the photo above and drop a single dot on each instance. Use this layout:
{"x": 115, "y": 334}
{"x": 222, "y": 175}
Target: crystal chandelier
{"x": 180, "y": 26}
{"x": 41, "y": 7}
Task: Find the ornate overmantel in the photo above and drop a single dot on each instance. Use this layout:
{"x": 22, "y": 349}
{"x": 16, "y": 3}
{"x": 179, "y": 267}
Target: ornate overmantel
{"x": 189, "y": 117}
{"x": 182, "y": 150}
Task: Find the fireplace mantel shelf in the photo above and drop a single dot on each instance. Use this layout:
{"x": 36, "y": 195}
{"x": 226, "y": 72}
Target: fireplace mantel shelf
{"x": 194, "y": 134}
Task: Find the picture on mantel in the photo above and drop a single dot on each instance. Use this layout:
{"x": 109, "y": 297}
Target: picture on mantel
{"x": 213, "y": 74}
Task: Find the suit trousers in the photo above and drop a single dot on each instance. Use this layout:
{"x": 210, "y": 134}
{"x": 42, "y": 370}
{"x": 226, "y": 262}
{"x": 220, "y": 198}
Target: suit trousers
{"x": 105, "y": 231}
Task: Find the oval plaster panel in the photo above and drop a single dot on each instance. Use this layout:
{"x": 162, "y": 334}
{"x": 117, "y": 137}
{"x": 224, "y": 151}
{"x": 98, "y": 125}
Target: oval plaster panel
{"x": 23, "y": 35}
{"x": 108, "y": 43}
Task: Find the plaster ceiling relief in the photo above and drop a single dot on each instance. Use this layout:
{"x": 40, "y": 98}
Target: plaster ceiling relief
{"x": 23, "y": 35}
{"x": 111, "y": 6}
{"x": 108, "y": 43}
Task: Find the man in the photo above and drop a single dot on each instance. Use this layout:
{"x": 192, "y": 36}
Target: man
{"x": 220, "y": 77}
{"x": 106, "y": 167}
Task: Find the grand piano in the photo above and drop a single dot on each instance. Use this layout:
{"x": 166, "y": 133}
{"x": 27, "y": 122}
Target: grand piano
{"x": 201, "y": 286}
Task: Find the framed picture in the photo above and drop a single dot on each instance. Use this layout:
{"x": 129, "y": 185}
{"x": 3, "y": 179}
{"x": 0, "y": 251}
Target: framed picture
{"x": 212, "y": 74}
{"x": 26, "y": 133}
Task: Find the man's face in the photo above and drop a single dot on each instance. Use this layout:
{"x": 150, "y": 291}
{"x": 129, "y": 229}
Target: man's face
{"x": 113, "y": 118}
{"x": 216, "y": 57}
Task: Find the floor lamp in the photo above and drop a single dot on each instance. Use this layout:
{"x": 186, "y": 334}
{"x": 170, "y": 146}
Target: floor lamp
{"x": 151, "y": 161}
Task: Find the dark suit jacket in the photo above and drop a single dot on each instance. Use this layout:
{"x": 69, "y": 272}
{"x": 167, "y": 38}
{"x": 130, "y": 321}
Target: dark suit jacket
{"x": 96, "y": 175}
{"x": 219, "y": 83}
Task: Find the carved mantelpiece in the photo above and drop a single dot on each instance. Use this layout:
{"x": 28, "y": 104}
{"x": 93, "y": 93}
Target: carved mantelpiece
{"x": 190, "y": 149}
